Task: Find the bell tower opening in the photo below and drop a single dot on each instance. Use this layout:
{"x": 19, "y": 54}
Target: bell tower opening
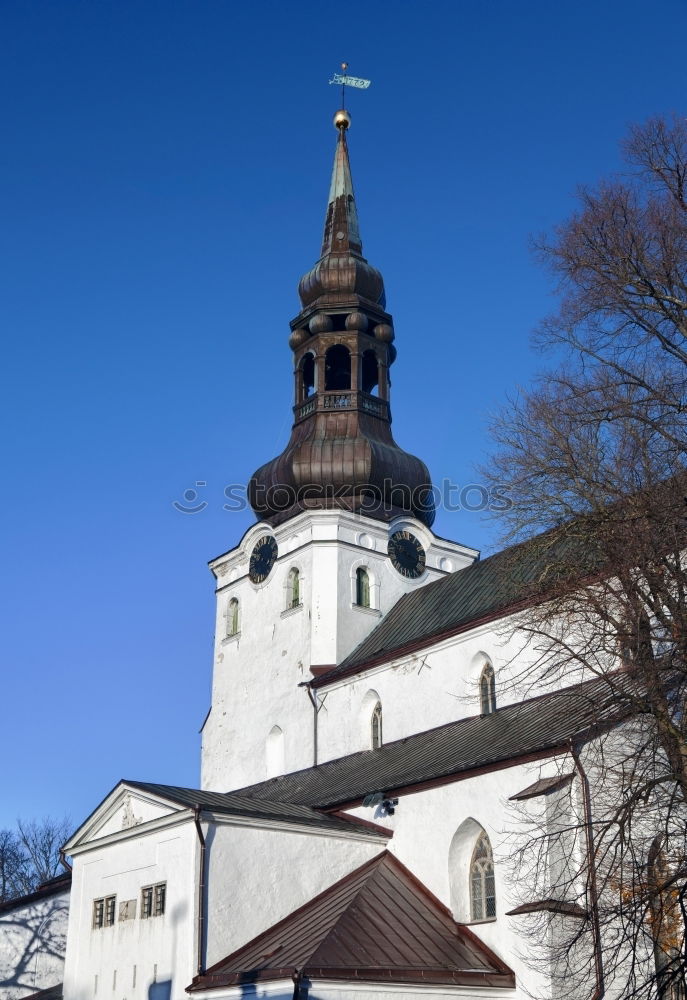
{"x": 370, "y": 373}
{"x": 337, "y": 368}
{"x": 307, "y": 376}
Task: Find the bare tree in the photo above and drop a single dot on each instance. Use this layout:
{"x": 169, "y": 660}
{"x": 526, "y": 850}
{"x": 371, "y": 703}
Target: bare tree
{"x": 30, "y": 855}
{"x": 595, "y": 456}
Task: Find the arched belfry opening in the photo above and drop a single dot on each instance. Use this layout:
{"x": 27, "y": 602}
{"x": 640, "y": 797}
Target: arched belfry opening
{"x": 307, "y": 366}
{"x": 370, "y": 373}
{"x": 337, "y": 368}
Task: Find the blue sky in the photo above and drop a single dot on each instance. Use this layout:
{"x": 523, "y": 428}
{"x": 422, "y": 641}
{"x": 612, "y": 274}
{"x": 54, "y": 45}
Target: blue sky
{"x": 163, "y": 180}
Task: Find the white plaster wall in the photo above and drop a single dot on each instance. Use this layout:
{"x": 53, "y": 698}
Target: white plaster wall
{"x": 160, "y": 948}
{"x": 257, "y": 673}
{"x": 32, "y": 946}
{"x": 429, "y": 688}
{"x": 258, "y": 876}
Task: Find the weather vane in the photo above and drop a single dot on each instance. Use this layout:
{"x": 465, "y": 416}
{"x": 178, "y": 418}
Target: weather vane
{"x": 348, "y": 81}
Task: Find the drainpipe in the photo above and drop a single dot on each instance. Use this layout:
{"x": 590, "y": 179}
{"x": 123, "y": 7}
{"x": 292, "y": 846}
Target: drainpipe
{"x": 313, "y": 702}
{"x": 63, "y": 861}
{"x": 591, "y": 866}
{"x": 201, "y": 893}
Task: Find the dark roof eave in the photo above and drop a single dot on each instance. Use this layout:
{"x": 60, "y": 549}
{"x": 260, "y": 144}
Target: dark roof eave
{"x": 331, "y": 677}
{"x": 449, "y": 977}
{"x": 55, "y": 888}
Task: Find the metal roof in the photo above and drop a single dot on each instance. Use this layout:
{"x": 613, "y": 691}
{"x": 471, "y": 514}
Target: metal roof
{"x": 378, "y": 924}
{"x": 232, "y": 804}
{"x": 529, "y": 728}
{"x": 483, "y": 590}
{"x": 52, "y": 993}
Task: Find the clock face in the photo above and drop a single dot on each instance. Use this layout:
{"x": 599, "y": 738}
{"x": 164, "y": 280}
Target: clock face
{"x": 262, "y": 558}
{"x": 406, "y": 554}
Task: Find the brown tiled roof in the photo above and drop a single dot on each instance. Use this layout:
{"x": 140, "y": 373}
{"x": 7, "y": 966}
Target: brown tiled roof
{"x": 378, "y": 924}
{"x": 529, "y": 729}
{"x": 484, "y": 591}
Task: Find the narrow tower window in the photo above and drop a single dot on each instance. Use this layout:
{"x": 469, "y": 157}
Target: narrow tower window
{"x": 487, "y": 690}
{"x": 376, "y": 726}
{"x": 307, "y": 375}
{"x": 337, "y": 368}
{"x": 293, "y": 589}
{"x": 370, "y": 372}
{"x": 482, "y": 888}
{"x": 362, "y": 587}
{"x": 233, "y": 617}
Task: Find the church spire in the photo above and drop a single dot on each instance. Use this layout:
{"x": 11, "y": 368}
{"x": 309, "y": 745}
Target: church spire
{"x": 341, "y": 230}
{"x": 341, "y": 453}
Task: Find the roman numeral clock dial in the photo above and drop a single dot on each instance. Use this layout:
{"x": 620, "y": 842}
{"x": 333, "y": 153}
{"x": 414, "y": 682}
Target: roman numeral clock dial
{"x": 262, "y": 558}
{"x": 406, "y": 554}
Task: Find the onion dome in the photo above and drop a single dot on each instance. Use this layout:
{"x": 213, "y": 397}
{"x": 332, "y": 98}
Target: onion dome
{"x": 341, "y": 453}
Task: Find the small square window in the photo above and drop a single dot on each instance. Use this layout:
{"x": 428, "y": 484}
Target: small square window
{"x": 153, "y": 898}
{"x": 104, "y": 910}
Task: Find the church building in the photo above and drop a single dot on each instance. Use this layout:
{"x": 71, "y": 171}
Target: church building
{"x": 366, "y": 742}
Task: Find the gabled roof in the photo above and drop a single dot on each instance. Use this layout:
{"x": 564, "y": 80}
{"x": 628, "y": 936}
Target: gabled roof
{"x": 535, "y": 728}
{"x": 234, "y": 804}
{"x": 484, "y": 591}
{"x": 378, "y": 924}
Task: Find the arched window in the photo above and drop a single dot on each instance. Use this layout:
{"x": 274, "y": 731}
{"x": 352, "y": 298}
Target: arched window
{"x": 362, "y": 587}
{"x": 293, "y": 589}
{"x": 482, "y": 890}
{"x": 307, "y": 375}
{"x": 487, "y": 690}
{"x": 233, "y": 617}
{"x": 369, "y": 372}
{"x": 376, "y": 726}
{"x": 337, "y": 368}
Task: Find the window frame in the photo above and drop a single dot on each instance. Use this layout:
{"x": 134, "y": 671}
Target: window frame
{"x": 482, "y": 871}
{"x": 233, "y": 618}
{"x": 376, "y": 727}
{"x": 104, "y": 912}
{"x": 363, "y": 587}
{"x": 487, "y": 690}
{"x": 150, "y": 896}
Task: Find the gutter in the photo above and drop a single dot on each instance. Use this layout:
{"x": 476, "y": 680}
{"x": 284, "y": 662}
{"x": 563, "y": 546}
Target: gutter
{"x": 200, "y": 933}
{"x": 600, "y": 990}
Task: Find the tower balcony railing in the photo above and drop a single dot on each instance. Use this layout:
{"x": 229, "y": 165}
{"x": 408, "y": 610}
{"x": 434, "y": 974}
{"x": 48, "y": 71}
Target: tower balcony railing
{"x": 352, "y": 399}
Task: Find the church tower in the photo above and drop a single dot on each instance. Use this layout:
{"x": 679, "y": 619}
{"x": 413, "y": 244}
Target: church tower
{"x": 344, "y": 519}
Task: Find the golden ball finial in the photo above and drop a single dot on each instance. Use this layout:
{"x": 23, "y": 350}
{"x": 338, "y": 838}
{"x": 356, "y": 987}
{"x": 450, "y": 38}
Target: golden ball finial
{"x": 342, "y": 119}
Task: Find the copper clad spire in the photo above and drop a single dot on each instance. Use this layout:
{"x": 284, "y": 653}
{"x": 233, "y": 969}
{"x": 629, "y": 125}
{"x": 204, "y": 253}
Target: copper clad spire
{"x": 341, "y": 453}
{"x": 341, "y": 274}
{"x": 341, "y": 230}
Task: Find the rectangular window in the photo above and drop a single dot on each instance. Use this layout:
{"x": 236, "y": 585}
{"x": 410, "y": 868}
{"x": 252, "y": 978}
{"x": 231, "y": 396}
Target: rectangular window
{"x": 104, "y": 911}
{"x": 153, "y": 898}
